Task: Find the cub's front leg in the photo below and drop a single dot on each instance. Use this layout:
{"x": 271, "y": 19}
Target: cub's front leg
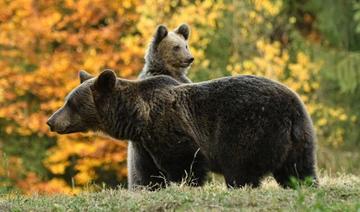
{"x": 142, "y": 170}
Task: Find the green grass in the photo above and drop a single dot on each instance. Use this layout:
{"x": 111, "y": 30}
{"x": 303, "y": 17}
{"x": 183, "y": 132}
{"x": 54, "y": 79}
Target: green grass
{"x": 340, "y": 193}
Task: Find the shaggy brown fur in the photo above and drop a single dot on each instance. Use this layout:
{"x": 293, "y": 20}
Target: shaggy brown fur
{"x": 245, "y": 126}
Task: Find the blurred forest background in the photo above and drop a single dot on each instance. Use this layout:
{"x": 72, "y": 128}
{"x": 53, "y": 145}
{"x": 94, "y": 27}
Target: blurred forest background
{"x": 311, "y": 46}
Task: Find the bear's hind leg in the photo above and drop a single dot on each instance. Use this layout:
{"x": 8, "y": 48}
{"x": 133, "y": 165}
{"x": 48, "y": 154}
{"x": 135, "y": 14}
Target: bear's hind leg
{"x": 300, "y": 163}
{"x": 301, "y": 169}
{"x": 290, "y": 175}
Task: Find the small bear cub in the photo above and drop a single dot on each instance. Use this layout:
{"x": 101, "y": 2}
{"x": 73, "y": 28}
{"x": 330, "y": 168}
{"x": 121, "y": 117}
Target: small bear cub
{"x": 169, "y": 54}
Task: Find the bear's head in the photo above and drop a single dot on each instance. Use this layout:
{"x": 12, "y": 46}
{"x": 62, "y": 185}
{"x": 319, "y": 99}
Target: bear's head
{"x": 110, "y": 105}
{"x": 79, "y": 113}
{"x": 170, "y": 50}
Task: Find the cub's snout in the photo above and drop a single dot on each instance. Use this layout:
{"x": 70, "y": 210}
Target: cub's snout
{"x": 190, "y": 60}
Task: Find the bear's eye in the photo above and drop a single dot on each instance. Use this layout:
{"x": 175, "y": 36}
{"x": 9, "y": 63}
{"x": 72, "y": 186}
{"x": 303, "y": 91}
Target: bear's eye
{"x": 186, "y": 46}
{"x": 176, "y": 48}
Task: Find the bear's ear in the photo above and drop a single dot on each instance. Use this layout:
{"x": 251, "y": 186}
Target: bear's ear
{"x": 105, "y": 81}
{"x": 161, "y": 33}
{"x": 83, "y": 75}
{"x": 183, "y": 30}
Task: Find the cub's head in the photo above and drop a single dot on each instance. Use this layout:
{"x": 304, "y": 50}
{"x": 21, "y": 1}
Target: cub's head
{"x": 171, "y": 49}
{"x": 79, "y": 113}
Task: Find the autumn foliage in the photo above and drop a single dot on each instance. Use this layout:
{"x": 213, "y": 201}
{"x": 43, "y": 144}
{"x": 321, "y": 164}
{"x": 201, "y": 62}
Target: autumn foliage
{"x": 43, "y": 45}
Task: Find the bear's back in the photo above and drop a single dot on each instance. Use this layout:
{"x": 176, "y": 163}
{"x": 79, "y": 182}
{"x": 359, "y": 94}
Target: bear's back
{"x": 238, "y": 85}
{"x": 238, "y": 95}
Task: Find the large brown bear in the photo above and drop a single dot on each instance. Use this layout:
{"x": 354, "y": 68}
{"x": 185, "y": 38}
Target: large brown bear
{"x": 167, "y": 54}
{"x": 245, "y": 126}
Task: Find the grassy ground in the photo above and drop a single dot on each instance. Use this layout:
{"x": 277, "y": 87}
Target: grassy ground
{"x": 340, "y": 193}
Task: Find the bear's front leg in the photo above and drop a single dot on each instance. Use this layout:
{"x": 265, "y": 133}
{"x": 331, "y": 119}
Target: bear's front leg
{"x": 142, "y": 170}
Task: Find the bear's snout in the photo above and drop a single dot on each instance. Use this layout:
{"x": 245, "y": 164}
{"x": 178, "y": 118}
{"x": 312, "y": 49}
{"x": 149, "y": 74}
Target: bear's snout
{"x": 50, "y": 122}
{"x": 54, "y": 124}
{"x": 190, "y": 60}
{"x": 59, "y": 121}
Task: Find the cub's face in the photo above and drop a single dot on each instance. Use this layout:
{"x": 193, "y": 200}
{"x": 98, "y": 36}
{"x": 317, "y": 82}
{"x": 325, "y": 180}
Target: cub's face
{"x": 79, "y": 113}
{"x": 172, "y": 47}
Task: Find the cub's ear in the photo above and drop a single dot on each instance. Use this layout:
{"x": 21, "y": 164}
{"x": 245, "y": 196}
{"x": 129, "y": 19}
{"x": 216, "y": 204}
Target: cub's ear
{"x": 105, "y": 81}
{"x": 83, "y": 75}
{"x": 161, "y": 33}
{"x": 183, "y": 30}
